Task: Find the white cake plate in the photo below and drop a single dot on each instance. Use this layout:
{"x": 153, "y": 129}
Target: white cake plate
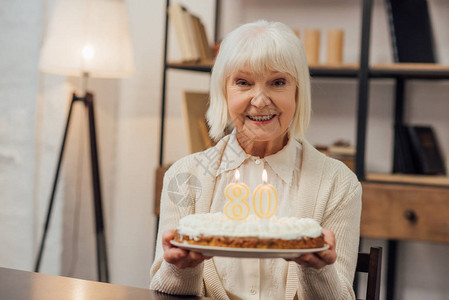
{"x": 247, "y": 252}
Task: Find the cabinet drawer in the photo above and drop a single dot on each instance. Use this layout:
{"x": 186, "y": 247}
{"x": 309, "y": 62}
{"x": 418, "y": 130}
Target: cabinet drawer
{"x": 405, "y": 212}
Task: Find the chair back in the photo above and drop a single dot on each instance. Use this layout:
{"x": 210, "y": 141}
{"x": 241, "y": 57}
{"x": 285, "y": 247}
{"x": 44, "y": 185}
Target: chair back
{"x": 371, "y": 263}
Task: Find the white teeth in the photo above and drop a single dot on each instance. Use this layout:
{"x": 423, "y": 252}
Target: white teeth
{"x": 261, "y": 118}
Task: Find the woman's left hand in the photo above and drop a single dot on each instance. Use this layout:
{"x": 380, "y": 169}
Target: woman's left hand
{"x": 318, "y": 260}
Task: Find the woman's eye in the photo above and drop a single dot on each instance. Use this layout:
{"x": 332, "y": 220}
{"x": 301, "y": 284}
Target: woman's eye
{"x": 279, "y": 82}
{"x": 241, "y": 82}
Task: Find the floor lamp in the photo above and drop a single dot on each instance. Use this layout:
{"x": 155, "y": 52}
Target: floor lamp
{"x": 88, "y": 38}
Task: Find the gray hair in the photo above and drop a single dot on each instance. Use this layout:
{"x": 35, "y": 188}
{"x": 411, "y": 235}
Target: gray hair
{"x": 261, "y": 46}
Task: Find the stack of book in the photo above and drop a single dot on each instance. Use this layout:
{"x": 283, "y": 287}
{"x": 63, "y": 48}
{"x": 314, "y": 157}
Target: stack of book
{"x": 417, "y": 151}
{"x": 190, "y": 35}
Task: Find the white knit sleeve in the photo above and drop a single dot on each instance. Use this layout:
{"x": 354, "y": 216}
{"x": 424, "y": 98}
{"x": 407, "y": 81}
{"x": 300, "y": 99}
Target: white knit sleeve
{"x": 166, "y": 277}
{"x": 342, "y": 217}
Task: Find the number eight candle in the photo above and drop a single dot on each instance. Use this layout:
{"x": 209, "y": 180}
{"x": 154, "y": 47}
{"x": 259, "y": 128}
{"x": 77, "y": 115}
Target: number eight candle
{"x": 236, "y": 208}
{"x": 265, "y": 199}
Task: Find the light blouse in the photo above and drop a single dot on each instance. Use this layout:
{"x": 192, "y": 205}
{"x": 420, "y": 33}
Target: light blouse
{"x": 256, "y": 277}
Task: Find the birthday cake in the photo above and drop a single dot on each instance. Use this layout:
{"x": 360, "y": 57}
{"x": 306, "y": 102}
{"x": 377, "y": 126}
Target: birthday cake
{"x": 216, "y": 229}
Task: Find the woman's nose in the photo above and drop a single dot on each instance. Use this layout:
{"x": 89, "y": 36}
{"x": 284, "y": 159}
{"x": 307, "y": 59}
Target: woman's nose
{"x": 260, "y": 99}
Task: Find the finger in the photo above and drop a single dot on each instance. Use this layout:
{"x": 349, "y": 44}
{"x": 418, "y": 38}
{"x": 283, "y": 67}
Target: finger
{"x": 299, "y": 261}
{"x": 168, "y": 235}
{"x": 329, "y": 238}
{"x": 328, "y": 256}
{"x": 166, "y": 238}
{"x": 296, "y": 259}
{"x": 190, "y": 264}
{"x": 175, "y": 255}
{"x": 303, "y": 262}
{"x": 311, "y": 260}
{"x": 195, "y": 256}
{"x": 192, "y": 260}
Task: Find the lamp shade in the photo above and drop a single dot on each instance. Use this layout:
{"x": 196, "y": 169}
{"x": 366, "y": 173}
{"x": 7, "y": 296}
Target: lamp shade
{"x": 88, "y": 36}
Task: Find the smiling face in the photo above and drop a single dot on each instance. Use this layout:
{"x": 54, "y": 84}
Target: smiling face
{"x": 261, "y": 106}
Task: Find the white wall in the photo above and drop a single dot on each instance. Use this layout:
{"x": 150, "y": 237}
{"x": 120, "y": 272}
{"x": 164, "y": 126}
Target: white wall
{"x": 19, "y": 52}
{"x": 32, "y": 117}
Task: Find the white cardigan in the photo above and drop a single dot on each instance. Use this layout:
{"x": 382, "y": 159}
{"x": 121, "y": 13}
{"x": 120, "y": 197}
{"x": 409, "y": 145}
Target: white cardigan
{"x": 333, "y": 198}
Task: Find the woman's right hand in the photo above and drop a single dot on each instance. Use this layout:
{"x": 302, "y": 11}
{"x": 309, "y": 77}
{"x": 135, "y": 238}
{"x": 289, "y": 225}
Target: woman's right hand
{"x": 179, "y": 257}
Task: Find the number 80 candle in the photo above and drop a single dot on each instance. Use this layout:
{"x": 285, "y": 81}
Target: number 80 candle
{"x": 265, "y": 199}
{"x": 236, "y": 208}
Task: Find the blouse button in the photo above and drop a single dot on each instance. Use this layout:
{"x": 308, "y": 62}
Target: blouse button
{"x": 252, "y": 291}
{"x": 257, "y": 161}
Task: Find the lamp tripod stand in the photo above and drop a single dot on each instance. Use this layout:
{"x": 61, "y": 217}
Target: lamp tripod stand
{"x": 102, "y": 263}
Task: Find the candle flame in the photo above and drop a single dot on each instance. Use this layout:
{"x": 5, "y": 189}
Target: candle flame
{"x": 237, "y": 175}
{"x": 264, "y": 176}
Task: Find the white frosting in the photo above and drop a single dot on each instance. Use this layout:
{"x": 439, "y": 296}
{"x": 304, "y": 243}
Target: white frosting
{"x": 217, "y": 224}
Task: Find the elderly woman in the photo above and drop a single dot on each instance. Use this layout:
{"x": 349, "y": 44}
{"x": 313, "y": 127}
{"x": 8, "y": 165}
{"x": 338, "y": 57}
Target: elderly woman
{"x": 260, "y": 84}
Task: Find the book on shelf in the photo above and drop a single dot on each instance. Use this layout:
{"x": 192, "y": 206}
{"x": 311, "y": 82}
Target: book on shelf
{"x": 176, "y": 18}
{"x": 403, "y": 161}
{"x": 417, "y": 151}
{"x": 411, "y": 31}
{"x": 190, "y": 34}
{"x": 426, "y": 151}
{"x": 201, "y": 38}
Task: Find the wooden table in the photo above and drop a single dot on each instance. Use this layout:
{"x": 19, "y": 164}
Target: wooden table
{"x": 23, "y": 285}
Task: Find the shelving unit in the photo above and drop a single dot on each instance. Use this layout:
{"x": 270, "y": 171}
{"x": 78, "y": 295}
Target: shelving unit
{"x": 398, "y": 207}
{"x": 395, "y": 207}
{"x": 179, "y": 66}
{"x": 362, "y": 72}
